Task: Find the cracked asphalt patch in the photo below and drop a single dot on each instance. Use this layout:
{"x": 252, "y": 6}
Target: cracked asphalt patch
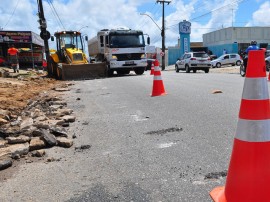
{"x": 164, "y": 131}
{"x": 216, "y": 175}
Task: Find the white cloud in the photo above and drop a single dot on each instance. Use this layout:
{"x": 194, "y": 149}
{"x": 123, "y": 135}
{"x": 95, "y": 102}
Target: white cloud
{"x": 259, "y": 17}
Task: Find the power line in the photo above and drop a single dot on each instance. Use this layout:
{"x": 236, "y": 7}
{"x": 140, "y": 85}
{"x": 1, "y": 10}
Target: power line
{"x": 54, "y": 10}
{"x": 11, "y": 14}
{"x": 146, "y": 22}
{"x": 53, "y": 13}
{"x": 214, "y": 10}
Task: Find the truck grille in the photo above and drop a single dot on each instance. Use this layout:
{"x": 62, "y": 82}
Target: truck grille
{"x": 129, "y": 56}
{"x": 77, "y": 57}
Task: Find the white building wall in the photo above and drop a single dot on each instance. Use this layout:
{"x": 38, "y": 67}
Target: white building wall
{"x": 237, "y": 34}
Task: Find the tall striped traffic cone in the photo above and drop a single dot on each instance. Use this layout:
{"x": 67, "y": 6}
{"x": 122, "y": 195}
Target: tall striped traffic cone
{"x": 158, "y": 87}
{"x": 152, "y": 69}
{"x": 249, "y": 171}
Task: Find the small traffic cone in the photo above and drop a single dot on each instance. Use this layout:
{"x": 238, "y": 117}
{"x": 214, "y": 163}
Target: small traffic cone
{"x": 158, "y": 87}
{"x": 152, "y": 69}
{"x": 249, "y": 171}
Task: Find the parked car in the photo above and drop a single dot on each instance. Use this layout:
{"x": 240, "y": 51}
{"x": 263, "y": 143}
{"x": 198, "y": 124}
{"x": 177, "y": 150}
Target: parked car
{"x": 267, "y": 63}
{"x": 193, "y": 61}
{"x": 213, "y": 57}
{"x": 227, "y": 59}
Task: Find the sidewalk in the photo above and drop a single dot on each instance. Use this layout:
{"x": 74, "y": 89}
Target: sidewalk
{"x": 8, "y": 72}
{"x": 225, "y": 69}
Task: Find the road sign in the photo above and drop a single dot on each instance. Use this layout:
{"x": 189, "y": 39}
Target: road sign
{"x": 45, "y": 35}
{"x": 162, "y": 54}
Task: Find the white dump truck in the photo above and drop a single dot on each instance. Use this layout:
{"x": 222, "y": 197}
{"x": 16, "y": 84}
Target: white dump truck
{"x": 122, "y": 49}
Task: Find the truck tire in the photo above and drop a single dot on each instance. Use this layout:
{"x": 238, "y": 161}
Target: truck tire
{"x": 54, "y": 70}
{"x": 139, "y": 71}
{"x": 59, "y": 73}
{"x": 50, "y": 68}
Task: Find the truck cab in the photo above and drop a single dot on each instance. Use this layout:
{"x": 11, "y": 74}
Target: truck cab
{"x": 122, "y": 49}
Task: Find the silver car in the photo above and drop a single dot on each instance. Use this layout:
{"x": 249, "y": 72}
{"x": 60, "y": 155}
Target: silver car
{"x": 193, "y": 61}
{"x": 227, "y": 59}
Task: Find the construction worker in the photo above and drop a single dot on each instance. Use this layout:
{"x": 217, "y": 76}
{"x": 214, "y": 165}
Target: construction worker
{"x": 13, "y": 58}
{"x": 44, "y": 64}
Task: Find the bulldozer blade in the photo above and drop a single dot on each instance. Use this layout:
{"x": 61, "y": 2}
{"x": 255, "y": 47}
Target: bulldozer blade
{"x": 83, "y": 71}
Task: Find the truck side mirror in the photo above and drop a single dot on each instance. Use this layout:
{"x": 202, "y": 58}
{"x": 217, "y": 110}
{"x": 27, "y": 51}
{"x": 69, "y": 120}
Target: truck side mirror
{"x": 86, "y": 38}
{"x": 148, "y": 40}
{"x": 52, "y": 38}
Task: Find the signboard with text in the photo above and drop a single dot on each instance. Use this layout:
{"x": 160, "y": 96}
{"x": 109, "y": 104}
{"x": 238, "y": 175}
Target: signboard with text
{"x": 184, "y": 31}
{"x": 20, "y": 37}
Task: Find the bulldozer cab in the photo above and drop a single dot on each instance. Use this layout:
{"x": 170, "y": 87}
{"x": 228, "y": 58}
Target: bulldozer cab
{"x": 69, "y": 39}
{"x": 69, "y": 62}
{"x": 70, "y": 47}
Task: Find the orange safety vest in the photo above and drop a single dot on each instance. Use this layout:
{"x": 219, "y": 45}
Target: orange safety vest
{"x": 12, "y": 51}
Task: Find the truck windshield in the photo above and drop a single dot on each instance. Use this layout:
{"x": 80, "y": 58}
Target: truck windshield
{"x": 71, "y": 40}
{"x": 126, "y": 41}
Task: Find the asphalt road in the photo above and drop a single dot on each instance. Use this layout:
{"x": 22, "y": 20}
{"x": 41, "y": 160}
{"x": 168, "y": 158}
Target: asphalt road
{"x": 136, "y": 147}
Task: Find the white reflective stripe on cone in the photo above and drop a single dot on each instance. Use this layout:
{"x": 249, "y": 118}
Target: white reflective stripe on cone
{"x": 255, "y": 89}
{"x": 253, "y": 130}
{"x": 157, "y": 78}
{"x": 156, "y": 68}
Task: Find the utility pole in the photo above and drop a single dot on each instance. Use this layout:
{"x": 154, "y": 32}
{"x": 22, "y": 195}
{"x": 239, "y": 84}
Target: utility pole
{"x": 45, "y": 35}
{"x": 163, "y": 31}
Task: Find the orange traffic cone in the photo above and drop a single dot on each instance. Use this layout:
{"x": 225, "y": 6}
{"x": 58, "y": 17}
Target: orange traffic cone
{"x": 249, "y": 171}
{"x": 152, "y": 69}
{"x": 158, "y": 87}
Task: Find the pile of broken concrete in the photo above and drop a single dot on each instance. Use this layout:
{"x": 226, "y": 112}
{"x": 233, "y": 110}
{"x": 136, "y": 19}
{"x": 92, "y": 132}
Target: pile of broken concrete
{"x": 42, "y": 124}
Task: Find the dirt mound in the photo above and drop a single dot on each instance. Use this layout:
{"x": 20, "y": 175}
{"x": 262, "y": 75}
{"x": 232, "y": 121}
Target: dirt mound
{"x": 15, "y": 93}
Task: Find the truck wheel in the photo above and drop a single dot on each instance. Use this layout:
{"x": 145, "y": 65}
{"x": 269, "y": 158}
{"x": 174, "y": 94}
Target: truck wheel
{"x": 54, "y": 70}
{"x": 59, "y": 73}
{"x": 50, "y": 68}
{"x": 206, "y": 71}
{"x": 139, "y": 71}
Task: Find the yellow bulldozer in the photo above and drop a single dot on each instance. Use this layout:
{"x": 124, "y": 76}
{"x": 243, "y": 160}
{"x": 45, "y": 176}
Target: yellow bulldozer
{"x": 69, "y": 62}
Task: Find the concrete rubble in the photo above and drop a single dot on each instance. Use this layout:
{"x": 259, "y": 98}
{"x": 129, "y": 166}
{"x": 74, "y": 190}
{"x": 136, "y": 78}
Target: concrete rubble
{"x": 42, "y": 124}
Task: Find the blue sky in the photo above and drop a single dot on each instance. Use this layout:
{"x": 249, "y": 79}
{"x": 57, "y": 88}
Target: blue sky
{"x": 205, "y": 16}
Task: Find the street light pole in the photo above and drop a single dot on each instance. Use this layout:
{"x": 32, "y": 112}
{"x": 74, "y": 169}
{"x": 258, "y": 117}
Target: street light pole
{"x": 82, "y": 28}
{"x": 151, "y": 19}
{"x": 163, "y": 31}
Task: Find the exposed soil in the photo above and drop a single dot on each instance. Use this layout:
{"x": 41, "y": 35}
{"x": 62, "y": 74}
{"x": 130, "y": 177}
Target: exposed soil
{"x": 15, "y": 92}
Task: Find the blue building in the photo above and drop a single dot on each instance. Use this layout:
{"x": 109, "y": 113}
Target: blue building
{"x": 235, "y": 39}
